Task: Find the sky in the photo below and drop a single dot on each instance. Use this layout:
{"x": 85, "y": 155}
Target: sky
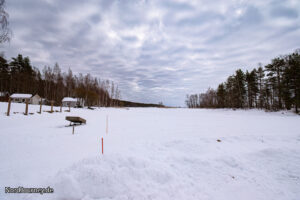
{"x": 156, "y": 50}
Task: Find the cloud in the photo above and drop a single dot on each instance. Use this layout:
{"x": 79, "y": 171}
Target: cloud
{"x": 155, "y": 50}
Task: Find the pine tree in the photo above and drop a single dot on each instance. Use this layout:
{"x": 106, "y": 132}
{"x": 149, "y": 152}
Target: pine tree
{"x": 249, "y": 92}
{"x": 294, "y": 78}
{"x": 22, "y": 74}
{"x": 4, "y": 74}
{"x": 229, "y": 88}
{"x": 275, "y": 71}
{"x": 239, "y": 89}
{"x": 260, "y": 79}
{"x": 221, "y": 93}
{"x": 252, "y": 88}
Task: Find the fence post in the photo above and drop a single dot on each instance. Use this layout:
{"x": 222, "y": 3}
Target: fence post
{"x": 26, "y": 106}
{"x": 41, "y": 106}
{"x": 52, "y": 106}
{"x": 8, "y": 108}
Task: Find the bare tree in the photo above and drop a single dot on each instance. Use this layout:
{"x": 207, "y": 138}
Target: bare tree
{"x": 5, "y": 32}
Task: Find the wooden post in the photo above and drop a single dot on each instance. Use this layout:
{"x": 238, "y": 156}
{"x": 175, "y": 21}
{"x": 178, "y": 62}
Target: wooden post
{"x": 52, "y": 106}
{"x": 69, "y": 107}
{"x": 73, "y": 130}
{"x": 41, "y": 106}
{"x": 26, "y": 106}
{"x": 8, "y": 108}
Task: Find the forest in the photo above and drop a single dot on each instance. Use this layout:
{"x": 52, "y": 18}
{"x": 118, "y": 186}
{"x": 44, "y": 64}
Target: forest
{"x": 275, "y": 86}
{"x": 19, "y": 76}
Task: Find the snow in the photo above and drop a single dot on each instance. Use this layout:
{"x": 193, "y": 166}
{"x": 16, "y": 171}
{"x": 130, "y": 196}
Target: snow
{"x": 69, "y": 99}
{"x": 151, "y": 153}
{"x": 19, "y": 95}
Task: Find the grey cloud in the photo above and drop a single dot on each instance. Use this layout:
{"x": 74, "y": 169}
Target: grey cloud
{"x": 96, "y": 18}
{"x": 284, "y": 12}
{"x": 284, "y": 9}
{"x": 177, "y": 6}
{"x": 200, "y": 19}
{"x": 252, "y": 16}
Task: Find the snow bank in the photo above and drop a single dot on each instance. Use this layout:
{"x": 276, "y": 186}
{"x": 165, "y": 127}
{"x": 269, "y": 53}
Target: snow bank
{"x": 180, "y": 177}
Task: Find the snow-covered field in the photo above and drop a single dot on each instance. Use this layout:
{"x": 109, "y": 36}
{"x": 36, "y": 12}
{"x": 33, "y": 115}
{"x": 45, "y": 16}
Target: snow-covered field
{"x": 151, "y": 153}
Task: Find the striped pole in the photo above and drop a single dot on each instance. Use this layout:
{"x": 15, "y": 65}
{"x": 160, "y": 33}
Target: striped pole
{"x": 102, "y": 145}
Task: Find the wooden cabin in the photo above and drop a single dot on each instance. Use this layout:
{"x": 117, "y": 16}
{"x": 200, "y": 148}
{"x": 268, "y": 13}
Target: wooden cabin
{"x": 35, "y": 100}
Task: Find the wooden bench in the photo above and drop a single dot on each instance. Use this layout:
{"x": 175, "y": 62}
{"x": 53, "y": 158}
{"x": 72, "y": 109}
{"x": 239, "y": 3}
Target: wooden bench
{"x": 75, "y": 120}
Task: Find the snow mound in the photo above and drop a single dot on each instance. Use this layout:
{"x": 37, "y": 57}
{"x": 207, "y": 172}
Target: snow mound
{"x": 112, "y": 177}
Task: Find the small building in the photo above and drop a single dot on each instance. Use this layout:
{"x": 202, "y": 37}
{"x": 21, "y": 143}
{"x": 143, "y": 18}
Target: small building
{"x": 69, "y": 102}
{"x": 20, "y": 98}
{"x": 35, "y": 100}
{"x": 4, "y": 96}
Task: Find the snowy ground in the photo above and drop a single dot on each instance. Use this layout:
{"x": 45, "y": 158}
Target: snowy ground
{"x": 151, "y": 153}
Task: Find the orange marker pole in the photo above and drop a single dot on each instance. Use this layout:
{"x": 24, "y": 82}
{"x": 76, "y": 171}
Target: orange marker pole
{"x": 102, "y": 144}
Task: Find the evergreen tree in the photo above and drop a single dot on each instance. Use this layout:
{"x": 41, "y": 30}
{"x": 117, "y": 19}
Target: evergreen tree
{"x": 22, "y": 74}
{"x": 239, "y": 90}
{"x": 4, "y": 74}
{"x": 275, "y": 71}
{"x": 252, "y": 88}
{"x": 293, "y": 76}
{"x": 260, "y": 79}
{"x": 221, "y": 94}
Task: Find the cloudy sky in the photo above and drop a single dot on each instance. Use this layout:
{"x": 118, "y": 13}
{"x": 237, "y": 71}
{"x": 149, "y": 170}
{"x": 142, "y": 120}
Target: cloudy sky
{"x": 156, "y": 50}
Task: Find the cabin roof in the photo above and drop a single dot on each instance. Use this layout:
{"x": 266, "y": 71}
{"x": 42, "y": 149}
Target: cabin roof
{"x": 36, "y": 96}
{"x": 22, "y": 96}
{"x": 69, "y": 99}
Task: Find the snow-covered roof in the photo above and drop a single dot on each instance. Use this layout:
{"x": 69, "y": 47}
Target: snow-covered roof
{"x": 69, "y": 99}
{"x": 19, "y": 95}
{"x": 36, "y": 96}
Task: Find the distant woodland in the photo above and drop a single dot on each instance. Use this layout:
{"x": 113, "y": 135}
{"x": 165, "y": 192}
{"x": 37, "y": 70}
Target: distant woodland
{"x": 273, "y": 87}
{"x": 19, "y": 76}
{"x": 136, "y": 104}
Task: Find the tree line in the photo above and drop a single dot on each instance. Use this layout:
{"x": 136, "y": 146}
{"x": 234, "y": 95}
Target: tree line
{"x": 273, "y": 87}
{"x": 19, "y": 76}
